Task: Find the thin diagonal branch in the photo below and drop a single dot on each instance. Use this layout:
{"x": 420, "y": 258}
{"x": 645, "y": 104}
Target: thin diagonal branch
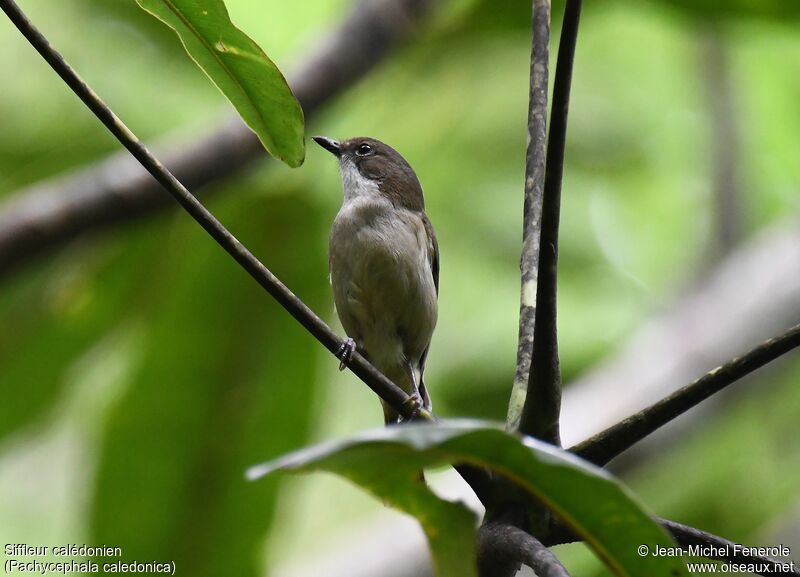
{"x": 724, "y": 550}
{"x": 540, "y": 413}
{"x": 46, "y": 216}
{"x": 503, "y": 548}
{"x": 532, "y": 211}
{"x": 387, "y": 390}
{"x": 710, "y": 546}
{"x": 606, "y": 445}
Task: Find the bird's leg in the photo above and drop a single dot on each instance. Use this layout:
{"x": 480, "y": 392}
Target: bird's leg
{"x": 345, "y": 353}
{"x": 414, "y": 401}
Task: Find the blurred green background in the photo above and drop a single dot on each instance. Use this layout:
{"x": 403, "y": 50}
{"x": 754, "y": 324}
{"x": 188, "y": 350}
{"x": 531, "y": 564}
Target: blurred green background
{"x": 141, "y": 371}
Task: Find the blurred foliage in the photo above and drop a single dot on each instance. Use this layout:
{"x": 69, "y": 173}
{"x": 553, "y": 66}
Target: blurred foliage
{"x": 709, "y": 9}
{"x": 192, "y": 419}
{"x": 142, "y": 372}
{"x": 57, "y": 313}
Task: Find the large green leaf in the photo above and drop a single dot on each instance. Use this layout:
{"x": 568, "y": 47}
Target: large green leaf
{"x": 240, "y": 69}
{"x": 589, "y": 500}
{"x": 391, "y": 474}
{"x": 224, "y": 376}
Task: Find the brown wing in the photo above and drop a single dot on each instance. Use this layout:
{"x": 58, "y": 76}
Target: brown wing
{"x": 433, "y": 259}
{"x": 433, "y": 251}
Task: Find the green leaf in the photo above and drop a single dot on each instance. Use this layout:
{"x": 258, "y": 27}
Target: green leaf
{"x": 241, "y": 70}
{"x": 588, "y": 499}
{"x": 391, "y": 474}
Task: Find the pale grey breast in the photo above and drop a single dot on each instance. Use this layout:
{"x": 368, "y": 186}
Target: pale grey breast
{"x": 382, "y": 281}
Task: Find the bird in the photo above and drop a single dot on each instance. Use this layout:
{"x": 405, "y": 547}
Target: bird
{"x": 384, "y": 265}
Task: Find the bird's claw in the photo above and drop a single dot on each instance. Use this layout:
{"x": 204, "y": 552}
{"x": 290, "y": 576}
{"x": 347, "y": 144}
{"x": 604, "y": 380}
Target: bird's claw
{"x": 345, "y": 353}
{"x": 414, "y": 404}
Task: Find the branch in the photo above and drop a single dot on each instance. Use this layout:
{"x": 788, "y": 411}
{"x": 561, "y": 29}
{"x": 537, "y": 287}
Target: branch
{"x": 686, "y": 536}
{"x": 46, "y": 216}
{"x": 503, "y": 548}
{"x": 540, "y": 413}
{"x": 532, "y": 211}
{"x": 606, "y": 445}
{"x": 723, "y": 549}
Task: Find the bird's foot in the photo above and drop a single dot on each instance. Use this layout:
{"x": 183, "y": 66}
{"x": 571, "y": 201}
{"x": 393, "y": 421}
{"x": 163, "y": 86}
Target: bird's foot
{"x": 415, "y": 405}
{"x": 345, "y": 353}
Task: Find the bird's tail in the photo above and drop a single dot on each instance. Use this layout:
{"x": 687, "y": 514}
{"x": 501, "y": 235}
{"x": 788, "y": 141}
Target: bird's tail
{"x": 404, "y": 380}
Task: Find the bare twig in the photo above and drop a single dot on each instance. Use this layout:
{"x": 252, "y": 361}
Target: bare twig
{"x": 542, "y": 406}
{"x": 503, "y": 548}
{"x": 724, "y": 550}
{"x": 606, "y": 445}
{"x": 46, "y": 216}
{"x": 711, "y": 546}
{"x": 532, "y": 211}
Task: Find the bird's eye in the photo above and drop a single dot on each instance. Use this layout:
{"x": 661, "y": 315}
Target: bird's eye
{"x": 364, "y": 149}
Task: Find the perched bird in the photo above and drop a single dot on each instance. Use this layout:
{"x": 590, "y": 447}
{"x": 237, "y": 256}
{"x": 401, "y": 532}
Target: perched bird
{"x": 384, "y": 264}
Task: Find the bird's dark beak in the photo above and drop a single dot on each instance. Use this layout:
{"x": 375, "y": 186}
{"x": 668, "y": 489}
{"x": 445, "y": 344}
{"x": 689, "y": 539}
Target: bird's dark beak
{"x": 329, "y": 144}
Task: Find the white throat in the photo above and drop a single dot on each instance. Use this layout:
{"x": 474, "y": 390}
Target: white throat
{"x": 357, "y": 186}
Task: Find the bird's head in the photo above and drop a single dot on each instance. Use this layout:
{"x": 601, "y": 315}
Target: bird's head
{"x": 370, "y": 167}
